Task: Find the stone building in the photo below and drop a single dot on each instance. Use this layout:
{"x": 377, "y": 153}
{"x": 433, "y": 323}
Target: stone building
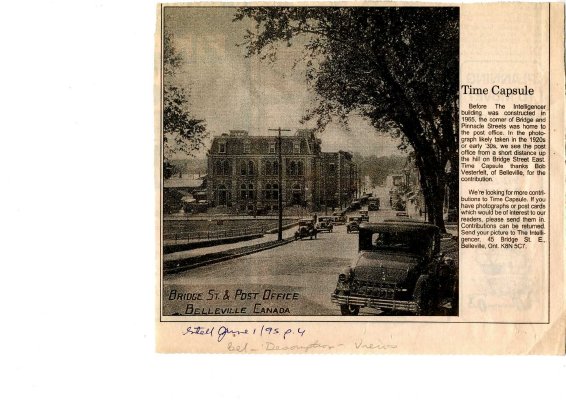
{"x": 243, "y": 173}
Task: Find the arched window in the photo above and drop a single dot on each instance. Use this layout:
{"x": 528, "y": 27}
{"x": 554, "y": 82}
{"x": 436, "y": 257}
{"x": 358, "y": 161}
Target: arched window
{"x": 268, "y": 192}
{"x": 300, "y": 168}
{"x": 293, "y": 168}
{"x": 222, "y": 195}
{"x": 243, "y": 191}
{"x": 243, "y": 168}
{"x": 275, "y": 167}
{"x": 268, "y": 169}
{"x": 227, "y": 168}
{"x": 218, "y": 167}
{"x": 251, "y": 193}
{"x": 251, "y": 167}
{"x": 275, "y": 191}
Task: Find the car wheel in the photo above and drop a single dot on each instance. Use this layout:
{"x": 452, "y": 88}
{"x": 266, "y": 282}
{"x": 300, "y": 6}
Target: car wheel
{"x": 347, "y": 309}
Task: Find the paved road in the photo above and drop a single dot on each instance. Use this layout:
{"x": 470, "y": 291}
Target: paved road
{"x": 294, "y": 279}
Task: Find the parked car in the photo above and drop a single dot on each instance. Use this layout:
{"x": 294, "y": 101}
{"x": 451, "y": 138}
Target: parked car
{"x": 353, "y": 224}
{"x": 373, "y": 204}
{"x": 306, "y": 229}
{"x": 364, "y": 216}
{"x": 399, "y": 268}
{"x": 355, "y": 205}
{"x": 338, "y": 218}
{"x": 324, "y": 224}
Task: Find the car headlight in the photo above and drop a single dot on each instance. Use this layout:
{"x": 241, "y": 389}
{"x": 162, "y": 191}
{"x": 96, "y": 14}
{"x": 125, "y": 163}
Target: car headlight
{"x": 344, "y": 281}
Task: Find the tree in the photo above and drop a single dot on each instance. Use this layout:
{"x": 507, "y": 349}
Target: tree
{"x": 397, "y": 67}
{"x": 181, "y": 132}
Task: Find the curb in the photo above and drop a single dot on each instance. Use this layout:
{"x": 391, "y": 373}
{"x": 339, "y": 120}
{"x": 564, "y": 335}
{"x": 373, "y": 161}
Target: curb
{"x": 173, "y": 248}
{"x": 171, "y": 267}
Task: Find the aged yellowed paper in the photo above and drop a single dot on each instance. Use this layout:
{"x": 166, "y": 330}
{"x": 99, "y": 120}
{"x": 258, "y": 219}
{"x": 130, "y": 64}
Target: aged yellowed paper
{"x": 347, "y": 178}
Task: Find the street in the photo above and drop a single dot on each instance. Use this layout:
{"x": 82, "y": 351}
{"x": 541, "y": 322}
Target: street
{"x": 293, "y": 279}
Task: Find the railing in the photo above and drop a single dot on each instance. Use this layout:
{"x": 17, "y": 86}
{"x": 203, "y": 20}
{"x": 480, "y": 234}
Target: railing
{"x": 219, "y": 234}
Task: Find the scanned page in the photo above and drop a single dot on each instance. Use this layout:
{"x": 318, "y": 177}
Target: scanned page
{"x": 345, "y": 179}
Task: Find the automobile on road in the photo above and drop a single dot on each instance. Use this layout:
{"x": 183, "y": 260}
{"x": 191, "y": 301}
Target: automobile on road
{"x": 398, "y": 268}
{"x": 306, "y": 229}
{"x": 373, "y": 204}
{"x": 325, "y": 224}
{"x": 353, "y": 223}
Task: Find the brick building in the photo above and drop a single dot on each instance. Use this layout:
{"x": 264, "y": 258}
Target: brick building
{"x": 243, "y": 173}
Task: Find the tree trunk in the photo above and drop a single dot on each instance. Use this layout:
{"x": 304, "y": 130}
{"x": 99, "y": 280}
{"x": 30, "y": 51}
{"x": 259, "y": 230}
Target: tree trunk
{"x": 433, "y": 185}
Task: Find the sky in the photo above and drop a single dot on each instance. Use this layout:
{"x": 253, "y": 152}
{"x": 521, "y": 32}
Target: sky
{"x": 230, "y": 91}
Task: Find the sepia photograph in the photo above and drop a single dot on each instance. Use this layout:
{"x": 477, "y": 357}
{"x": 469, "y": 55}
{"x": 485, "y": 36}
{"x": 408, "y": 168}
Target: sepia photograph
{"x": 309, "y": 162}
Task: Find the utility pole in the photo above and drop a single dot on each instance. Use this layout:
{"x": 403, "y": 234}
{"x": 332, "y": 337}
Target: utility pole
{"x": 280, "y": 178}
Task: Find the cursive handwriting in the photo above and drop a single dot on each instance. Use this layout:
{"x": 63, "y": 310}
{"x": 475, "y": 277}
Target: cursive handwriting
{"x": 198, "y": 330}
{"x": 312, "y": 346}
{"x": 373, "y": 346}
{"x": 224, "y": 331}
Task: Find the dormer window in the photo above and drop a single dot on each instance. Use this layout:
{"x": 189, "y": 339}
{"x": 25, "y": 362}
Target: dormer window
{"x": 222, "y": 148}
{"x": 247, "y": 147}
{"x": 271, "y": 148}
{"x": 296, "y": 147}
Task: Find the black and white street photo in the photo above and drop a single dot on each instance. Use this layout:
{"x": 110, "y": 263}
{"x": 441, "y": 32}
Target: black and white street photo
{"x": 309, "y": 162}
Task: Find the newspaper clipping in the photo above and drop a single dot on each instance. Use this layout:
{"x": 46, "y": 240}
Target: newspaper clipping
{"x": 360, "y": 178}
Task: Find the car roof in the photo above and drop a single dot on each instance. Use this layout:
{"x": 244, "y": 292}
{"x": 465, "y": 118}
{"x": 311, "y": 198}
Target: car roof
{"x": 400, "y": 226}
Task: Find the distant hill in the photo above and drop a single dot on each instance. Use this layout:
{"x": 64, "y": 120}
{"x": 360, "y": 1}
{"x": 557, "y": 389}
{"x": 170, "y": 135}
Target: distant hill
{"x": 377, "y": 168}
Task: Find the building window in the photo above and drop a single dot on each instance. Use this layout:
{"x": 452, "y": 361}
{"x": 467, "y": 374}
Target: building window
{"x": 243, "y": 168}
{"x": 275, "y": 168}
{"x": 222, "y": 167}
{"x": 271, "y": 191}
{"x": 271, "y": 148}
{"x": 222, "y": 148}
{"x": 243, "y": 191}
{"x": 296, "y": 147}
{"x": 247, "y": 147}
{"x": 292, "y": 168}
{"x": 267, "y": 170}
{"x": 332, "y": 168}
{"x": 222, "y": 195}
{"x": 251, "y": 168}
{"x": 251, "y": 193}
{"x": 300, "y": 168}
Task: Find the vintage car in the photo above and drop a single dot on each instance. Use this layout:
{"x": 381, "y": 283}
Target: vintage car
{"x": 324, "y": 224}
{"x": 364, "y": 216}
{"x": 398, "y": 269}
{"x": 306, "y": 229}
{"x": 373, "y": 204}
{"x": 338, "y": 218}
{"x": 353, "y": 223}
{"x": 355, "y": 205}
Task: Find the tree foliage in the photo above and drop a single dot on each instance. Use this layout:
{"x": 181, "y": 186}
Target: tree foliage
{"x": 397, "y": 67}
{"x": 182, "y": 133}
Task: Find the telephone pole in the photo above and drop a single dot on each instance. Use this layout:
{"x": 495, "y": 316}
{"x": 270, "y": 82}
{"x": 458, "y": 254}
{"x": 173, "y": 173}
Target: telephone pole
{"x": 280, "y": 178}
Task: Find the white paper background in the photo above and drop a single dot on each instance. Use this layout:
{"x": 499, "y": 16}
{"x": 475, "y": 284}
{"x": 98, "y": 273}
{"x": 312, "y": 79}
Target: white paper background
{"x": 77, "y": 287}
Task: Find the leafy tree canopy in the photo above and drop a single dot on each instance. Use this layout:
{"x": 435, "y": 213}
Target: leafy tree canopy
{"x": 398, "y": 67}
{"x": 182, "y": 133}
